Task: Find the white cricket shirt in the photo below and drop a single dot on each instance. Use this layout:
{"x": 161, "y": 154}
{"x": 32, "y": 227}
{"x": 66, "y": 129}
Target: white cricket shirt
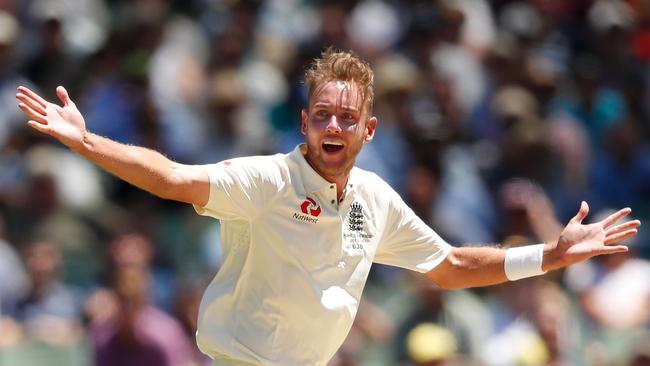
{"x": 295, "y": 260}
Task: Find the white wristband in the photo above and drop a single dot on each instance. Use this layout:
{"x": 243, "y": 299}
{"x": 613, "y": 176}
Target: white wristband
{"x": 522, "y": 262}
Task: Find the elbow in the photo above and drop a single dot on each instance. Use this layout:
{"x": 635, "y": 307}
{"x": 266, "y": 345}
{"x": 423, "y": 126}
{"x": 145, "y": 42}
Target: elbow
{"x": 446, "y": 285}
{"x": 447, "y": 274}
{"x": 169, "y": 188}
{"x": 174, "y": 192}
{"x": 166, "y": 192}
{"x": 449, "y": 284}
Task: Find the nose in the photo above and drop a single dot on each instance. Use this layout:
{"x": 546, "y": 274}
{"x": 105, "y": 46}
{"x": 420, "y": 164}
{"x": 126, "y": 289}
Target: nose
{"x": 333, "y": 125}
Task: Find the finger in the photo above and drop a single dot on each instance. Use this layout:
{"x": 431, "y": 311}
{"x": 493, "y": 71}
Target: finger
{"x": 31, "y": 103}
{"x": 37, "y": 98}
{"x": 619, "y": 237}
{"x": 39, "y": 127}
{"x": 612, "y": 250}
{"x": 32, "y": 113}
{"x": 609, "y": 220}
{"x": 63, "y": 96}
{"x": 582, "y": 213}
{"x": 622, "y": 227}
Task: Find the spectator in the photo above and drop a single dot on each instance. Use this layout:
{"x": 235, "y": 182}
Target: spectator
{"x": 431, "y": 345}
{"x": 51, "y": 308}
{"x": 470, "y": 95}
{"x": 138, "y": 333}
{"x": 12, "y": 268}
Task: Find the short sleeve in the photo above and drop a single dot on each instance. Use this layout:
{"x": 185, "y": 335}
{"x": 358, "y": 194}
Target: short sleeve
{"x": 240, "y": 188}
{"x": 407, "y": 241}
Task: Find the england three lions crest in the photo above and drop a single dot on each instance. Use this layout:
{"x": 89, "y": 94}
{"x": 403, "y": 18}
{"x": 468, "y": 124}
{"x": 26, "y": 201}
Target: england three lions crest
{"x": 355, "y": 217}
{"x": 357, "y": 233}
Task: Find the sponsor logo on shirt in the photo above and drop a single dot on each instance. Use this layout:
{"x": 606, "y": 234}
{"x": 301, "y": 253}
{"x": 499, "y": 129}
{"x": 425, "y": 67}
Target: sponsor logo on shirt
{"x": 310, "y": 211}
{"x": 310, "y": 207}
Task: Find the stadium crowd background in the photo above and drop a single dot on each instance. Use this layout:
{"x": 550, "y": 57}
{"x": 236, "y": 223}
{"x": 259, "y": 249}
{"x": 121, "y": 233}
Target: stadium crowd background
{"x": 496, "y": 119}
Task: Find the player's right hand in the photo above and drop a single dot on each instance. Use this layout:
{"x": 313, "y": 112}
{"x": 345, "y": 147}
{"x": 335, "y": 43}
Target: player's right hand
{"x": 65, "y": 123}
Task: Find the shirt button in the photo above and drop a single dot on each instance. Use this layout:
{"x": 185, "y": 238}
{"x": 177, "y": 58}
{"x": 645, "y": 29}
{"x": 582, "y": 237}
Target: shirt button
{"x": 333, "y": 201}
{"x": 332, "y": 186}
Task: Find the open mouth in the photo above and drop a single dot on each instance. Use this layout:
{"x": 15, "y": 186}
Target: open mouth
{"x": 332, "y": 147}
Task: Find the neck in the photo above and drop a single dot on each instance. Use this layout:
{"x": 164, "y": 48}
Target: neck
{"x": 341, "y": 180}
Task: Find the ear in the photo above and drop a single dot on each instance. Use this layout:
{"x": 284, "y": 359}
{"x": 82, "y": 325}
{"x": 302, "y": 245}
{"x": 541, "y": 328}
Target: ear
{"x": 303, "y": 124}
{"x": 371, "y": 126}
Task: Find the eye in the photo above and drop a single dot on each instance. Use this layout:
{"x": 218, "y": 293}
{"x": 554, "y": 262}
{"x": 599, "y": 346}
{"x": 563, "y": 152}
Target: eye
{"x": 322, "y": 113}
{"x": 348, "y": 117}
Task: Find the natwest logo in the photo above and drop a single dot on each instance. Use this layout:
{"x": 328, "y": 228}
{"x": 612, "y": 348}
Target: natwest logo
{"x": 310, "y": 211}
{"x": 309, "y": 206}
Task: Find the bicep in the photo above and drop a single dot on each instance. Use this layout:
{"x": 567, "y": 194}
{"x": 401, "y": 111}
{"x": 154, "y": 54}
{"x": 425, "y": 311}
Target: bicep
{"x": 238, "y": 188}
{"x": 189, "y": 184}
{"x": 408, "y": 241}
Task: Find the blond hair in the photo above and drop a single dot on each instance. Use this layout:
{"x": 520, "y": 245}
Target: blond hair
{"x": 341, "y": 66}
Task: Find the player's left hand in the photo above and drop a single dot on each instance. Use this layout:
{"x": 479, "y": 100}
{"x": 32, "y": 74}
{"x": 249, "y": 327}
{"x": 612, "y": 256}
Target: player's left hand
{"x": 579, "y": 242}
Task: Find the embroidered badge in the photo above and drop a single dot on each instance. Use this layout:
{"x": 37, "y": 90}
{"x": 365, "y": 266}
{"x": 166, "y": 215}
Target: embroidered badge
{"x": 355, "y": 218}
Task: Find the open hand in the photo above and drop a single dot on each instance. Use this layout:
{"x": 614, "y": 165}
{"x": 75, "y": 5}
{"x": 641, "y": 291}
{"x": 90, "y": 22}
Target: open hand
{"x": 579, "y": 242}
{"x": 65, "y": 123}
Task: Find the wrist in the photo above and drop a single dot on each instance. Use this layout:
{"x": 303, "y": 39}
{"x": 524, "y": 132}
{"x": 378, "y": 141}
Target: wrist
{"x": 549, "y": 259}
{"x": 523, "y": 262}
{"x": 84, "y": 144}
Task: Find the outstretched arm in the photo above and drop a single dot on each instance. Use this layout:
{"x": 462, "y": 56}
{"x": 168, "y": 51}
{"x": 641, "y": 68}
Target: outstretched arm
{"x": 144, "y": 168}
{"x": 473, "y": 267}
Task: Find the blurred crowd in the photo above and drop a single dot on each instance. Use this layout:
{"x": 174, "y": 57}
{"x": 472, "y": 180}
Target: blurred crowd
{"x": 496, "y": 119}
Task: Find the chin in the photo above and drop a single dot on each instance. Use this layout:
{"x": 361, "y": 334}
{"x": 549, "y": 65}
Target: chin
{"x": 328, "y": 166}
{"x": 336, "y": 168}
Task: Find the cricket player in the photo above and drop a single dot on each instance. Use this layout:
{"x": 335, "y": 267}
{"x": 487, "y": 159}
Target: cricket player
{"x": 301, "y": 230}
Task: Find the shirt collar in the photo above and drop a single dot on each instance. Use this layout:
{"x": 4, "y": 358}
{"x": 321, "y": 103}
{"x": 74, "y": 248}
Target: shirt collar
{"x": 312, "y": 180}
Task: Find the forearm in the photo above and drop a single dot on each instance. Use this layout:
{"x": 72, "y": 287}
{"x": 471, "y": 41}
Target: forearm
{"x": 485, "y": 266}
{"x": 470, "y": 267}
{"x": 142, "y": 167}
